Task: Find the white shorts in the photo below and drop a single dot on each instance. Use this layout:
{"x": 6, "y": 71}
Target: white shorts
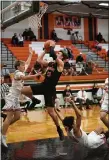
{"x": 95, "y": 140}
{"x": 11, "y": 103}
{"x": 105, "y": 108}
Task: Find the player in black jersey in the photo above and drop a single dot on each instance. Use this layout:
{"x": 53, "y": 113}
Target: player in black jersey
{"x": 48, "y": 86}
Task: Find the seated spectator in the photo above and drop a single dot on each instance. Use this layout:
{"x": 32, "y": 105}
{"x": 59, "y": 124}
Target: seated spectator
{"x": 70, "y": 54}
{"x": 88, "y": 68}
{"x": 14, "y": 40}
{"x": 73, "y": 39}
{"x": 82, "y": 98}
{"x": 65, "y": 72}
{"x": 31, "y": 35}
{"x": 89, "y": 57}
{"x": 4, "y": 70}
{"x": 100, "y": 93}
{"x": 67, "y": 93}
{"x": 100, "y": 38}
{"x": 25, "y": 34}
{"x": 54, "y": 36}
{"x": 80, "y": 68}
{"x": 20, "y": 40}
{"x": 79, "y": 58}
{"x": 94, "y": 91}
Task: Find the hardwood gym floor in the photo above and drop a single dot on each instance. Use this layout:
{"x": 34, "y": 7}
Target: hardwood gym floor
{"x": 36, "y": 138}
{"x": 40, "y": 126}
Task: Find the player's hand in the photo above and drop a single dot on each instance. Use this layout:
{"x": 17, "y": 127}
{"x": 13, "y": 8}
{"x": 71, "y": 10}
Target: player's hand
{"x": 38, "y": 75}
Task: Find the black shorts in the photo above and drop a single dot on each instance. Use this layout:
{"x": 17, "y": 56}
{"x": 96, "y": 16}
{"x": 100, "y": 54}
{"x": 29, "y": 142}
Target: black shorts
{"x": 48, "y": 92}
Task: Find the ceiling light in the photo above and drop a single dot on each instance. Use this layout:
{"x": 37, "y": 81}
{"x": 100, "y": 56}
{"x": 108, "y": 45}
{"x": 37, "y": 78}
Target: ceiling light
{"x": 104, "y": 4}
{"x": 73, "y": 1}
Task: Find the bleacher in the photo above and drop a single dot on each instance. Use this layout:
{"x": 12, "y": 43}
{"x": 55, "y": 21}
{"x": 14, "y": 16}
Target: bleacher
{"x": 104, "y": 48}
{"x": 22, "y": 53}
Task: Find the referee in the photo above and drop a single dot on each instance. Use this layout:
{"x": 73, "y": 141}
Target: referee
{"x": 4, "y": 91}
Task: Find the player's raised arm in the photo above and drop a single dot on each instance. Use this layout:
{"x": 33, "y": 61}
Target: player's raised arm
{"x": 78, "y": 114}
{"x": 59, "y": 115}
{"x": 27, "y": 63}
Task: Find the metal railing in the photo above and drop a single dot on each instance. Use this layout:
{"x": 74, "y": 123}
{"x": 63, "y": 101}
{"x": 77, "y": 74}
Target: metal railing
{"x": 7, "y": 54}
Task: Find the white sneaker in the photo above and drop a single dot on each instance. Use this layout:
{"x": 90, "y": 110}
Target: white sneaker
{"x": 3, "y": 140}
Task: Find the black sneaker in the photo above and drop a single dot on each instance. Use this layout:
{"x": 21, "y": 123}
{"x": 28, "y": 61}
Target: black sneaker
{"x": 61, "y": 134}
{"x": 33, "y": 104}
{"x": 36, "y": 101}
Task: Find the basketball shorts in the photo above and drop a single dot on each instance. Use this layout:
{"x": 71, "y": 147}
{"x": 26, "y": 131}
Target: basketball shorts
{"x": 11, "y": 103}
{"x": 49, "y": 93}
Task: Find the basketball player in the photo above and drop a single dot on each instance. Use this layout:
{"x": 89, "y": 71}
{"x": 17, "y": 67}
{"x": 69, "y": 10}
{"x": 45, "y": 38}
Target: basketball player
{"x": 73, "y": 128}
{"x": 12, "y": 105}
{"x": 48, "y": 86}
{"x": 105, "y": 105}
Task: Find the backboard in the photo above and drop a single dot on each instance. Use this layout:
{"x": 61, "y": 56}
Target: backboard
{"x": 17, "y": 11}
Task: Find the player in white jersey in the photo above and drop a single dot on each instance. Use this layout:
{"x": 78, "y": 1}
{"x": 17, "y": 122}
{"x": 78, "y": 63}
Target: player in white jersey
{"x": 105, "y": 105}
{"x": 73, "y": 128}
{"x": 12, "y": 106}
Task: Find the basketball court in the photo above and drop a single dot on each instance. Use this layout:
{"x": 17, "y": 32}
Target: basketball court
{"x": 34, "y": 136}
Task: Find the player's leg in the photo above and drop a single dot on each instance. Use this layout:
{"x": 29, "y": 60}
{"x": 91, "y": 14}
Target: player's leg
{"x": 5, "y": 126}
{"x": 16, "y": 116}
{"x": 50, "y": 104}
{"x": 103, "y": 117}
{"x": 29, "y": 91}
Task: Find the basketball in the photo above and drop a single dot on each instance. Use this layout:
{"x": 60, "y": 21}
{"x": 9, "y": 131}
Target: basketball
{"x": 47, "y": 45}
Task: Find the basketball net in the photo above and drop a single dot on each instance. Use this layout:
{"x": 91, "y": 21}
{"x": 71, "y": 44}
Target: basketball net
{"x": 35, "y": 20}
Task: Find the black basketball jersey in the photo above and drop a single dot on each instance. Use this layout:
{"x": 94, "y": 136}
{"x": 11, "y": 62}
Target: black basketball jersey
{"x": 52, "y": 75}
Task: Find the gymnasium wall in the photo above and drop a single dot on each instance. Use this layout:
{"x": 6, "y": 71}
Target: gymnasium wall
{"x": 103, "y": 25}
{"x": 17, "y": 28}
{"x": 62, "y": 33}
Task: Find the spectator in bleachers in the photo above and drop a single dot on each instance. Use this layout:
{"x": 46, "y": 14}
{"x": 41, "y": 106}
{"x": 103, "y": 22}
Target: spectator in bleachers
{"x": 73, "y": 39}
{"x": 37, "y": 68}
{"x": 20, "y": 40}
{"x": 88, "y": 69}
{"x": 100, "y": 93}
{"x": 4, "y": 70}
{"x": 14, "y": 40}
{"x": 31, "y": 35}
{"x": 79, "y": 58}
{"x": 54, "y": 36}
{"x": 70, "y": 53}
{"x": 65, "y": 72}
{"x": 25, "y": 34}
{"x": 89, "y": 57}
{"x": 82, "y": 98}
{"x": 100, "y": 38}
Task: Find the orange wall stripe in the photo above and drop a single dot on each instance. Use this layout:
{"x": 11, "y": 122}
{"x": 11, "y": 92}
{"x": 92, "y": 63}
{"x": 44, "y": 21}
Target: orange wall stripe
{"x": 50, "y": 23}
{"x": 86, "y": 29}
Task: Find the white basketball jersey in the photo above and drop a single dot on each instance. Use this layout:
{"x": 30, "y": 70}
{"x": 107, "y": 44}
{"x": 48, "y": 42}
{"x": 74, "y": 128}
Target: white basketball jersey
{"x": 95, "y": 140}
{"x": 82, "y": 140}
{"x": 17, "y": 85}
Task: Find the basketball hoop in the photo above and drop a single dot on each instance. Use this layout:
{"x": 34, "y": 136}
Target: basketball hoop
{"x": 35, "y": 20}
